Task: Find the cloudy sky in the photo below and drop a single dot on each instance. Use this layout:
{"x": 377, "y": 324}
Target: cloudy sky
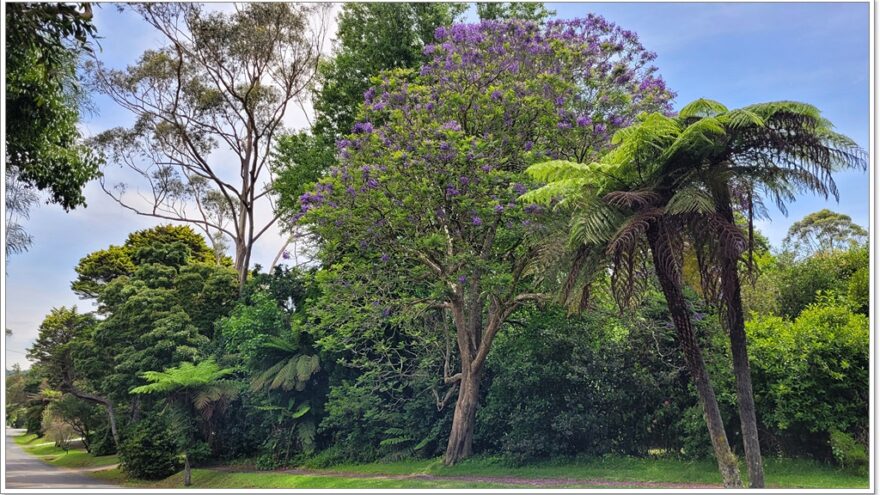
{"x": 737, "y": 53}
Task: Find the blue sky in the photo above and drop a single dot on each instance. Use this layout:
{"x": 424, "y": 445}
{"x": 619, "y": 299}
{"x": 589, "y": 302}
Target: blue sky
{"x": 737, "y": 53}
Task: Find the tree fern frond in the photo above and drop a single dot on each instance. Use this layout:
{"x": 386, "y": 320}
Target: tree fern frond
{"x": 690, "y": 199}
{"x": 702, "y": 107}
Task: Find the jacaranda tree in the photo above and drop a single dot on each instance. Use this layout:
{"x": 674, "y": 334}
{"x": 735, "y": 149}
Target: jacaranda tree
{"x": 421, "y": 215}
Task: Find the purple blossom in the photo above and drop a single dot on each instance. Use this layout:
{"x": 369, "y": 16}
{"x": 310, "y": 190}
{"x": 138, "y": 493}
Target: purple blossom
{"x": 363, "y": 128}
{"x": 452, "y": 191}
{"x": 499, "y": 208}
{"x": 451, "y": 126}
{"x": 486, "y": 168}
{"x": 496, "y": 95}
{"x": 476, "y": 220}
{"x": 532, "y": 209}
{"x": 599, "y": 128}
{"x": 372, "y": 183}
{"x": 444, "y": 146}
{"x": 464, "y": 180}
{"x": 285, "y": 254}
{"x": 385, "y": 258}
{"x": 528, "y": 146}
{"x": 369, "y": 95}
{"x": 583, "y": 121}
{"x": 462, "y": 279}
{"x": 519, "y": 189}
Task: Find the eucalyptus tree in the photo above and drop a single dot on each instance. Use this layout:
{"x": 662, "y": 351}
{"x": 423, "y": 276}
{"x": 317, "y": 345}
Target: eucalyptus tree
{"x": 208, "y": 106}
{"x": 421, "y": 213}
{"x": 824, "y": 231}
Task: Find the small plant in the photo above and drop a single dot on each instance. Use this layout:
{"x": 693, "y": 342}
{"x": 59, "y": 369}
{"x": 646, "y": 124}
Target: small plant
{"x": 849, "y": 453}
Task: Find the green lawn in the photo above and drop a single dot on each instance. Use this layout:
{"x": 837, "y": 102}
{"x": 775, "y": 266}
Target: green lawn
{"x": 74, "y": 459}
{"x": 473, "y": 473}
{"x": 779, "y": 473}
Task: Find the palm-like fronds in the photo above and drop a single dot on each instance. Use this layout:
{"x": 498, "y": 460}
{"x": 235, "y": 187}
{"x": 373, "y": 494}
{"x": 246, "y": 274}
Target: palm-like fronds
{"x": 291, "y": 371}
{"x": 186, "y": 376}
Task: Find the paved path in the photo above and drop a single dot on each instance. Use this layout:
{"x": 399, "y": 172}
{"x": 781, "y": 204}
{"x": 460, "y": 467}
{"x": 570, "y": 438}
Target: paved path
{"x": 26, "y": 471}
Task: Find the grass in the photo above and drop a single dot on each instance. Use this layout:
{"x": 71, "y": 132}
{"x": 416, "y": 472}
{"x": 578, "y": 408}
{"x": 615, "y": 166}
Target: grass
{"x": 75, "y": 458}
{"x": 582, "y": 472}
{"x": 206, "y": 478}
{"x": 779, "y": 473}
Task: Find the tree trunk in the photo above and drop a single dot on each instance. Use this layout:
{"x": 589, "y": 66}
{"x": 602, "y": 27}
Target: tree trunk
{"x": 108, "y": 405}
{"x": 670, "y": 283}
{"x": 731, "y": 294}
{"x": 461, "y": 437}
{"x": 187, "y": 470}
{"x": 241, "y": 265}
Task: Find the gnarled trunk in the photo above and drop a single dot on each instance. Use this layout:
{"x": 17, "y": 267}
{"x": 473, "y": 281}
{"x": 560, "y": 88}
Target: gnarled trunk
{"x": 461, "y": 438}
{"x": 108, "y": 406}
{"x": 732, "y": 297}
{"x": 670, "y": 283}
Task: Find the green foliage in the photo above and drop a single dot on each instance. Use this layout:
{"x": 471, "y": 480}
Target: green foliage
{"x": 150, "y": 450}
{"x": 529, "y": 11}
{"x": 591, "y": 385}
{"x": 800, "y": 280}
{"x": 186, "y": 376}
{"x": 848, "y": 452}
{"x": 371, "y": 38}
{"x": 43, "y": 96}
{"x": 811, "y": 374}
{"x": 181, "y": 243}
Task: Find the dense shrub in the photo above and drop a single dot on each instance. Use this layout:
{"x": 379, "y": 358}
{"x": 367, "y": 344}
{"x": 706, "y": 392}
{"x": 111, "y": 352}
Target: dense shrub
{"x": 149, "y": 451}
{"x": 811, "y": 375}
{"x": 800, "y": 280}
{"x": 849, "y": 453}
{"x": 579, "y": 385}
{"x": 366, "y": 423}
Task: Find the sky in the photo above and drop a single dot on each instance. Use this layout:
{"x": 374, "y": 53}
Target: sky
{"x": 736, "y": 53}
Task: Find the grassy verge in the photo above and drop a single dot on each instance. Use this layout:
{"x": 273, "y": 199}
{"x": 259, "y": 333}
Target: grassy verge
{"x": 779, "y": 473}
{"x": 205, "y": 478}
{"x": 583, "y": 473}
{"x": 75, "y": 458}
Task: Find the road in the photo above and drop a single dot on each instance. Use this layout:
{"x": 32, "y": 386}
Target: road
{"x": 26, "y": 471}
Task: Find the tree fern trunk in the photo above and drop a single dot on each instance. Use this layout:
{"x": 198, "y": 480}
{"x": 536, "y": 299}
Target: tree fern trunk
{"x": 670, "y": 283}
{"x": 731, "y": 294}
{"x": 187, "y": 470}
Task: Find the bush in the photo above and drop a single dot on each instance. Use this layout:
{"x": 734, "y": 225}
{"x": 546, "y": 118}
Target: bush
{"x": 149, "y": 452}
{"x": 101, "y": 442}
{"x": 810, "y": 375}
{"x": 578, "y": 385}
{"x": 849, "y": 453}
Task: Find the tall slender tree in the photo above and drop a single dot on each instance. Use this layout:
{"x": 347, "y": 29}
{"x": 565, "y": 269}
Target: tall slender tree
{"x": 221, "y": 86}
